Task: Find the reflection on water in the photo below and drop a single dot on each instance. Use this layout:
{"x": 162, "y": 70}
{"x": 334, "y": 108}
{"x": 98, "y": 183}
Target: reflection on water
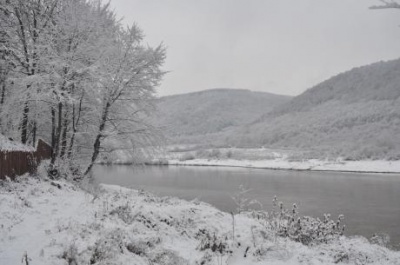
{"x": 370, "y": 202}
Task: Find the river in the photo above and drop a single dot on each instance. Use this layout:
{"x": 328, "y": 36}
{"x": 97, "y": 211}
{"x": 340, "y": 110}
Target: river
{"x": 369, "y": 202}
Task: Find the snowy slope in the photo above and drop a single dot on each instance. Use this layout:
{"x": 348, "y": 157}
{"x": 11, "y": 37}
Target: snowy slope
{"x": 189, "y": 117}
{"x": 59, "y": 223}
{"x": 355, "y": 114}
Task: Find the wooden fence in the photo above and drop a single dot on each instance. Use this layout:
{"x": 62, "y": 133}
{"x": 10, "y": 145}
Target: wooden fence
{"x": 16, "y": 163}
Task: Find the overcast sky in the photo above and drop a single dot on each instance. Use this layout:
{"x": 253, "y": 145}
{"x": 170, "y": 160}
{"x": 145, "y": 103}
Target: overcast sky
{"x": 282, "y": 47}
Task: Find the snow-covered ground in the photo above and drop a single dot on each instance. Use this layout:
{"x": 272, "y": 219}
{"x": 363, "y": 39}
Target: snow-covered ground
{"x": 192, "y": 155}
{"x": 10, "y": 145}
{"x": 375, "y": 166}
{"x": 270, "y": 159}
{"x": 56, "y": 222}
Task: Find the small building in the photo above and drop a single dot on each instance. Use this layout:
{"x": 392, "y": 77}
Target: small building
{"x": 17, "y": 159}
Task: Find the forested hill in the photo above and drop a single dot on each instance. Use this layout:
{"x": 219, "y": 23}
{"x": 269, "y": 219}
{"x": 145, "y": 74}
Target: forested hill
{"x": 212, "y": 111}
{"x": 378, "y": 81}
{"x": 355, "y": 114}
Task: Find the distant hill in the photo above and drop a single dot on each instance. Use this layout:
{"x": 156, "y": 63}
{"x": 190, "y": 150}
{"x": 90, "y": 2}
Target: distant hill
{"x": 355, "y": 114}
{"x": 189, "y": 118}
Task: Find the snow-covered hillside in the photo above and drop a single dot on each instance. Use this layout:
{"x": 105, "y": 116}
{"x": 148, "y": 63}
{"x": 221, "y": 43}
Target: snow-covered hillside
{"x": 56, "y": 222}
{"x": 188, "y": 117}
{"x": 354, "y": 114}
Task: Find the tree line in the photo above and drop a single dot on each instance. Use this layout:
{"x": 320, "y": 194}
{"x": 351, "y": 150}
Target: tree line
{"x": 72, "y": 74}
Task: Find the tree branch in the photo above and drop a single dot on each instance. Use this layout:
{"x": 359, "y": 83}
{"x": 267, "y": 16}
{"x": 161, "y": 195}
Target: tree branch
{"x": 386, "y": 4}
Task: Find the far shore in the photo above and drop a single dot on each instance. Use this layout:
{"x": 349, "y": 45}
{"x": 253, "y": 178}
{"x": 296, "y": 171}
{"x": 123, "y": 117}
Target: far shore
{"x": 373, "y": 166}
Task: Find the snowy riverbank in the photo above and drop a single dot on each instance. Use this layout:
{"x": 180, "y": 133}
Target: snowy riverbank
{"x": 377, "y": 166}
{"x": 188, "y": 155}
{"x": 56, "y": 222}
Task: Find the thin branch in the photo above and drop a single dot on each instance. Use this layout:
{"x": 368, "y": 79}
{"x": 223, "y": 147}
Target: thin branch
{"x": 386, "y": 4}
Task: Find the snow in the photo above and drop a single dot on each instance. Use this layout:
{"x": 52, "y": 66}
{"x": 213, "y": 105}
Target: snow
{"x": 57, "y": 222}
{"x": 374, "y": 166}
{"x": 7, "y": 145}
{"x": 262, "y": 158}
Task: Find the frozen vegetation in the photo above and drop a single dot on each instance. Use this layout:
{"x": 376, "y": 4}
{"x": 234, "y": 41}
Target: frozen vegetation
{"x": 58, "y": 222}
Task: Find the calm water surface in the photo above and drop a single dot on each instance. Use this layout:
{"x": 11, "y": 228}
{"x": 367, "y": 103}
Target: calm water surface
{"x": 370, "y": 202}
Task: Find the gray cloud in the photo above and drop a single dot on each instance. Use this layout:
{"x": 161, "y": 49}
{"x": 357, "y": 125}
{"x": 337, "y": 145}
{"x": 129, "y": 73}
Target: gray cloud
{"x": 281, "y": 47}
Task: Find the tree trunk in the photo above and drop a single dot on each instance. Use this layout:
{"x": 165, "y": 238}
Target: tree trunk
{"x": 57, "y": 135}
{"x": 64, "y": 136}
{"x": 71, "y": 145}
{"x": 72, "y": 140}
{"x": 53, "y": 128}
{"x": 34, "y": 130}
{"x": 3, "y": 92}
{"x": 2, "y": 99}
{"x": 24, "y": 125}
{"x": 75, "y": 121}
{"x": 97, "y": 142}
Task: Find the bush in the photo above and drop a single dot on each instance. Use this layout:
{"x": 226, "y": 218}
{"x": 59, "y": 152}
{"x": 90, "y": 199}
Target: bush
{"x": 211, "y": 242}
{"x": 124, "y": 212}
{"x": 187, "y": 156}
{"x": 229, "y": 154}
{"x": 70, "y": 255}
{"x": 107, "y": 247}
{"x": 380, "y": 239}
{"x": 307, "y": 230}
{"x": 215, "y": 153}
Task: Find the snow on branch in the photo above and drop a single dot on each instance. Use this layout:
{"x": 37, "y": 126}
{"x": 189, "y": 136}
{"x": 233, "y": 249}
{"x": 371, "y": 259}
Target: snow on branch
{"x": 386, "y": 4}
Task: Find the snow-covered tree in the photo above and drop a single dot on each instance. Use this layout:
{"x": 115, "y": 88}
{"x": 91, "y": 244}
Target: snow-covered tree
{"x": 130, "y": 71}
{"x": 25, "y": 28}
{"x": 72, "y": 74}
{"x": 83, "y": 32}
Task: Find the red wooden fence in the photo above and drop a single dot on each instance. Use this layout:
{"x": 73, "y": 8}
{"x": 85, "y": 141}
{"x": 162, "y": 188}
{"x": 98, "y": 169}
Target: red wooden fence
{"x": 16, "y": 163}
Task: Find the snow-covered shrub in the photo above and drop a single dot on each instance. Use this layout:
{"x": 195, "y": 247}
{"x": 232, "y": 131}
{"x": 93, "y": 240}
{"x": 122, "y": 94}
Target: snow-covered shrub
{"x": 124, "y": 212}
{"x": 201, "y": 153}
{"x": 138, "y": 248}
{"x": 167, "y": 257}
{"x": 143, "y": 247}
{"x": 381, "y": 239}
{"x": 187, "y": 156}
{"x": 70, "y": 255}
{"x": 161, "y": 161}
{"x": 271, "y": 251}
{"x": 212, "y": 242}
{"x": 67, "y": 169}
{"x": 106, "y": 248}
{"x": 355, "y": 250}
{"x": 211, "y": 153}
{"x": 215, "y": 153}
{"x": 307, "y": 230}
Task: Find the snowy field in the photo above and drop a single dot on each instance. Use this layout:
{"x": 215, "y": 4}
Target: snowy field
{"x": 192, "y": 155}
{"x": 377, "y": 166}
{"x": 269, "y": 159}
{"x": 56, "y": 222}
